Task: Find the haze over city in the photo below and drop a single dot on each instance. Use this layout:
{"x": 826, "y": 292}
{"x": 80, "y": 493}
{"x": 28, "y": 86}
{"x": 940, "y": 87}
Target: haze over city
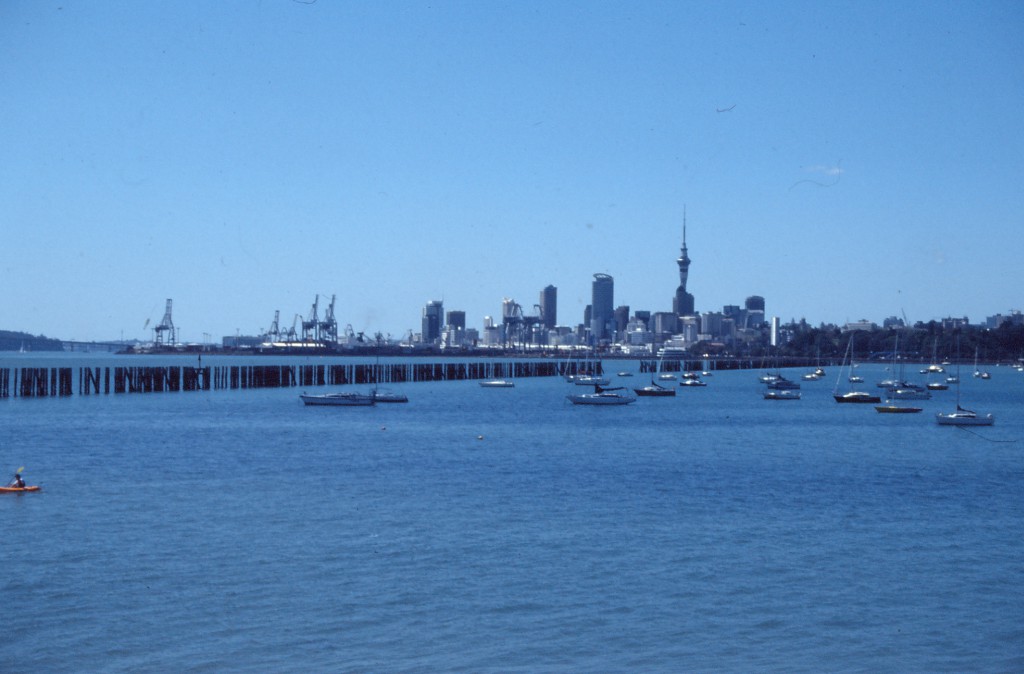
{"x": 843, "y": 161}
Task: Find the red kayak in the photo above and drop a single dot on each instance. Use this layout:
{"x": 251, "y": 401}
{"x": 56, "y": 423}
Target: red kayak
{"x": 18, "y": 490}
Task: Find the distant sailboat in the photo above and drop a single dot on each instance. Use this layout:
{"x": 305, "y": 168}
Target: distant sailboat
{"x": 891, "y": 406}
{"x": 961, "y": 416}
{"x": 934, "y": 368}
{"x": 851, "y": 396}
{"x": 979, "y": 374}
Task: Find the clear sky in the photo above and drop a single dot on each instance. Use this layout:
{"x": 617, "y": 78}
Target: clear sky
{"x": 845, "y": 160}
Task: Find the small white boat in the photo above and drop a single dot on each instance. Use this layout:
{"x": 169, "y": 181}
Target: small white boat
{"x": 590, "y": 380}
{"x": 782, "y": 394}
{"x": 498, "y": 383}
{"x": 389, "y": 397}
{"x": 910, "y": 393}
{"x": 624, "y": 373}
{"x": 892, "y": 408}
{"x": 345, "y": 399}
{"x": 856, "y": 397}
{"x": 780, "y": 383}
{"x": 692, "y": 382}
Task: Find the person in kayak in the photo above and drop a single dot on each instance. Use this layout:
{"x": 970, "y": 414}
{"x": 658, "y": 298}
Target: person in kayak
{"x": 17, "y": 481}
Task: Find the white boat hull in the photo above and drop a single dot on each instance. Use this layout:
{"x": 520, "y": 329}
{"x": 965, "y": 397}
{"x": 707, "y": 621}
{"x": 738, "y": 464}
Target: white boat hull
{"x": 338, "y": 400}
{"x": 498, "y": 383}
{"x": 600, "y": 399}
{"x": 964, "y": 419}
{"x": 785, "y": 394}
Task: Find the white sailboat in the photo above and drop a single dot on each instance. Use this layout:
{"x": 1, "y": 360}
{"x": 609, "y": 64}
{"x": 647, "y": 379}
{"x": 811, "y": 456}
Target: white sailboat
{"x": 851, "y": 396}
{"x": 935, "y": 369}
{"x": 890, "y": 406}
{"x": 962, "y": 416}
{"x": 979, "y": 374}
{"x": 602, "y": 396}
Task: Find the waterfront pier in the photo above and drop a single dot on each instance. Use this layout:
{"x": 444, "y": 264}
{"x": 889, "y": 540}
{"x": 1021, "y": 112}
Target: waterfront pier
{"x": 64, "y": 381}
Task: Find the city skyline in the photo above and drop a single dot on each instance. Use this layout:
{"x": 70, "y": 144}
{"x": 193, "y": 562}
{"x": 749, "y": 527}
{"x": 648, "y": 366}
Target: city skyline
{"x": 844, "y": 162}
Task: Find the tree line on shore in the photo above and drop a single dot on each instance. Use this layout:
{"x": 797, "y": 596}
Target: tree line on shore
{"x": 22, "y": 341}
{"x": 922, "y": 341}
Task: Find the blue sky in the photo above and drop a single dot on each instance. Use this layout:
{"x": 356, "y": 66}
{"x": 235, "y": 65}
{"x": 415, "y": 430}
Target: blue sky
{"x": 845, "y": 160}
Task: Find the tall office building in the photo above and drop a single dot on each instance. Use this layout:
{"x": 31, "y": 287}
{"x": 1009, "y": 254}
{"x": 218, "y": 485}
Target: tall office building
{"x": 621, "y": 320}
{"x": 754, "y": 313}
{"x": 457, "y": 320}
{"x": 433, "y": 316}
{"x": 549, "y": 307}
{"x": 682, "y": 304}
{"x": 602, "y": 317}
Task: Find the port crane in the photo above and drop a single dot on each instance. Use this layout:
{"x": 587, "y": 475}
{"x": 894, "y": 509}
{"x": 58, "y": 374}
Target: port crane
{"x": 166, "y": 325}
{"x": 310, "y": 327}
{"x": 291, "y": 335}
{"x": 327, "y": 329}
{"x": 274, "y": 333}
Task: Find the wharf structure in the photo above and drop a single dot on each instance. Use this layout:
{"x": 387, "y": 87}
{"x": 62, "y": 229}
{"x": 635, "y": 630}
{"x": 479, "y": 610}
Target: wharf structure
{"x": 43, "y": 382}
{"x": 39, "y": 382}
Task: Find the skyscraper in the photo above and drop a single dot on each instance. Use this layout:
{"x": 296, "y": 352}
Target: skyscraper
{"x": 433, "y": 315}
{"x": 754, "y": 313}
{"x": 682, "y": 304}
{"x": 457, "y": 320}
{"x": 621, "y": 320}
{"x": 549, "y": 307}
{"x": 602, "y": 317}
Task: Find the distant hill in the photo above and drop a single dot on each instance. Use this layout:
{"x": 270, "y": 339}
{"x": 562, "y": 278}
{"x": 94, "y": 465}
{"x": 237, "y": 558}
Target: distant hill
{"x": 17, "y": 341}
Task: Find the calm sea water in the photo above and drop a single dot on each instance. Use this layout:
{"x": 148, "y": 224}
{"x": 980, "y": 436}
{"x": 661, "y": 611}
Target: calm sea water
{"x": 506, "y": 530}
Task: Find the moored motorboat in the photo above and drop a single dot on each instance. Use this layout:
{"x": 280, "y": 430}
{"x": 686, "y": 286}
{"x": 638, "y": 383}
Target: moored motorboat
{"x": 891, "y": 408}
{"x": 781, "y": 394}
{"x": 389, "y": 397}
{"x": 498, "y": 383}
{"x": 343, "y": 399}
{"x": 911, "y": 392}
{"x": 782, "y": 384}
{"x": 856, "y": 397}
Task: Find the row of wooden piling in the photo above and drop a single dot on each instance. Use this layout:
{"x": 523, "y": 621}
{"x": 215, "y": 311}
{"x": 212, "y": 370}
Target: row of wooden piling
{"x": 60, "y": 382}
{"x": 682, "y": 365}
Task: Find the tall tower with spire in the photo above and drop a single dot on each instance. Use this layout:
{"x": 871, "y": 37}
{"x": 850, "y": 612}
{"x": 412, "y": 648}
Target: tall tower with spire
{"x": 682, "y": 304}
